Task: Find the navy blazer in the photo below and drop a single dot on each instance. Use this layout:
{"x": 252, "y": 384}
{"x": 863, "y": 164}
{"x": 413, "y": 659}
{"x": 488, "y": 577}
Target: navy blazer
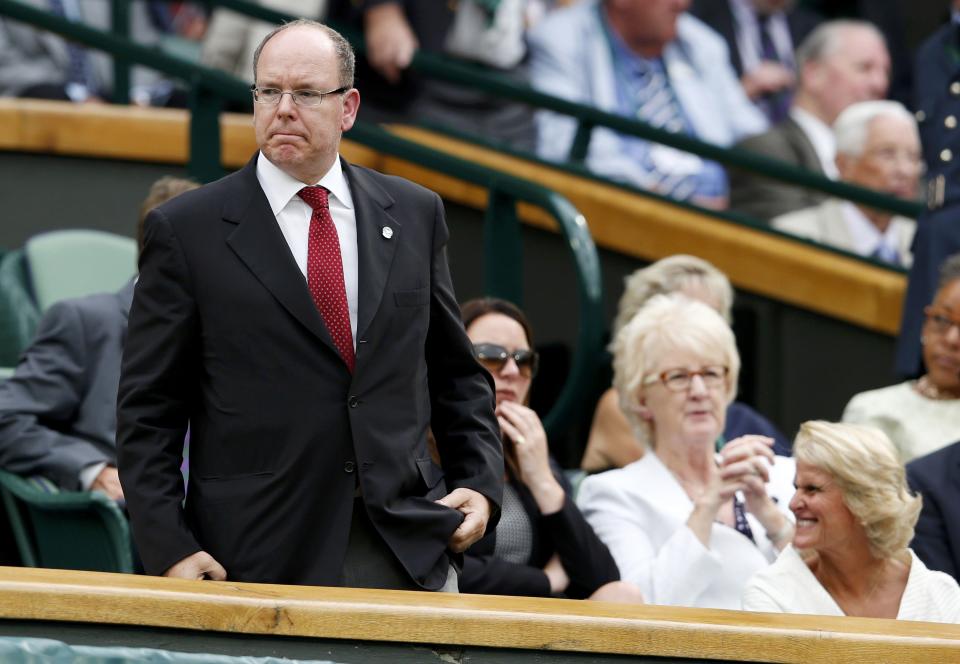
{"x": 936, "y": 477}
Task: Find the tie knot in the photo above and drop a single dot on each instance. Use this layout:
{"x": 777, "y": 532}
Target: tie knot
{"x": 316, "y": 197}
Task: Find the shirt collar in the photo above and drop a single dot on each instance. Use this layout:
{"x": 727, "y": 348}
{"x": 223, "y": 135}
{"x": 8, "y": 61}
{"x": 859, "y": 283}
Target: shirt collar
{"x": 866, "y": 237}
{"x": 280, "y": 187}
{"x": 821, "y": 136}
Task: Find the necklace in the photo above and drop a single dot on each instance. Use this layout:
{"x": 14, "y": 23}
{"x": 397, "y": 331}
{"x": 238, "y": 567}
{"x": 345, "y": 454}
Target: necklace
{"x": 925, "y": 388}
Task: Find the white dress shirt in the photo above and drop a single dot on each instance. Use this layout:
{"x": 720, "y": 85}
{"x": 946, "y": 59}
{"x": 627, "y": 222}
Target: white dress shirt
{"x": 293, "y": 217}
{"x": 821, "y": 136}
{"x": 867, "y": 238}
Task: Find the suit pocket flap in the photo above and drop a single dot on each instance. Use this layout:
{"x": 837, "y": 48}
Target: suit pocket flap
{"x": 430, "y": 472}
{"x": 412, "y": 298}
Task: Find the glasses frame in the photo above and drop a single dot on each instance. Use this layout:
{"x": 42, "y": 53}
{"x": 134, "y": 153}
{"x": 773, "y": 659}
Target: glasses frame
{"x": 662, "y": 377}
{"x": 933, "y": 313}
{"x": 256, "y": 90}
{"x": 499, "y": 355}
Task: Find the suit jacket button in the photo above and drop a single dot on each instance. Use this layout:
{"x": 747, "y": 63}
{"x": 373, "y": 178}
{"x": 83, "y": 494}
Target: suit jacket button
{"x": 353, "y": 402}
{"x": 348, "y": 467}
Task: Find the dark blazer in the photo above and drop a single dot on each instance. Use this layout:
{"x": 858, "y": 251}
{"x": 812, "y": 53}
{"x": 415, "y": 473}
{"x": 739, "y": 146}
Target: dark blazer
{"x": 224, "y": 335}
{"x": 762, "y": 198}
{"x": 586, "y": 559}
{"x": 718, "y": 15}
{"x": 936, "y": 75}
{"x": 936, "y": 477}
{"x": 57, "y": 412}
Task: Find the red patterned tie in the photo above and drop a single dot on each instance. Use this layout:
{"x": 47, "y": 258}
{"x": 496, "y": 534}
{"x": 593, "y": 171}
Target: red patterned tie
{"x": 325, "y": 272}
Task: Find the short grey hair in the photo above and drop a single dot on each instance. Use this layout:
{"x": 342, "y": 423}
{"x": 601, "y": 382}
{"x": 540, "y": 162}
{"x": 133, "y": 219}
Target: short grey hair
{"x": 346, "y": 60}
{"x": 826, "y": 38}
{"x": 853, "y": 124}
{"x": 670, "y": 275}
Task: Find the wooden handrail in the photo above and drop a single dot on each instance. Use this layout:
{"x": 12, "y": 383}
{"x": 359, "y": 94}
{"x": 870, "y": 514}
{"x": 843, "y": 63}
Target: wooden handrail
{"x": 764, "y": 263}
{"x": 465, "y": 620}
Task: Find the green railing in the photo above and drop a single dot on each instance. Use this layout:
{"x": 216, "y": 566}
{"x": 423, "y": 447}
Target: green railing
{"x": 502, "y": 230}
{"x": 588, "y": 118}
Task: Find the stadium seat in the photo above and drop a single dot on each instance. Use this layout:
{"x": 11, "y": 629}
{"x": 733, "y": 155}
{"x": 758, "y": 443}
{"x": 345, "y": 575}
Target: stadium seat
{"x": 72, "y": 263}
{"x": 65, "y": 530}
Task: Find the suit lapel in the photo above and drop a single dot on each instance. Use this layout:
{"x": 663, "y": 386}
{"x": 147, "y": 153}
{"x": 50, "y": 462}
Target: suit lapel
{"x": 377, "y": 237}
{"x": 260, "y": 244}
{"x": 808, "y": 154}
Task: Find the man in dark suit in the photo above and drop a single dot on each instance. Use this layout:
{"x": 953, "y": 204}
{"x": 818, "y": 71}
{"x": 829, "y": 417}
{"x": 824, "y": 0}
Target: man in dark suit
{"x": 936, "y": 477}
{"x": 937, "y": 100}
{"x": 839, "y": 64}
{"x": 310, "y": 337}
{"x": 57, "y": 412}
{"x": 761, "y": 36}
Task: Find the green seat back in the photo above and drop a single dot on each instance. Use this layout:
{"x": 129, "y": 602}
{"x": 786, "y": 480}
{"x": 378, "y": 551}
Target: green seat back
{"x": 19, "y": 313}
{"x": 65, "y": 530}
{"x": 73, "y": 263}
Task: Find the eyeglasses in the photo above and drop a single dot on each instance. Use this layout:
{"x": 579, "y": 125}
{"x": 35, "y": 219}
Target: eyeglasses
{"x": 940, "y": 321}
{"x": 306, "y": 98}
{"x": 494, "y": 358}
{"x": 680, "y": 380}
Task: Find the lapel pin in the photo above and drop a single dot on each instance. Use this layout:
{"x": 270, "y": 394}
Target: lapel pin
{"x": 387, "y": 232}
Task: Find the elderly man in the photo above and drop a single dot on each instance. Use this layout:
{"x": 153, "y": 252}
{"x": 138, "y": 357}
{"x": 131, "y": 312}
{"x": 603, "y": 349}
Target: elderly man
{"x": 649, "y": 60}
{"x": 877, "y": 147}
{"x": 299, "y": 315}
{"x": 840, "y": 63}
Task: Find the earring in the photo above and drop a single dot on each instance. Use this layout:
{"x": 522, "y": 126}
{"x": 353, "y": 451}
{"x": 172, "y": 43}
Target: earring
{"x": 923, "y": 340}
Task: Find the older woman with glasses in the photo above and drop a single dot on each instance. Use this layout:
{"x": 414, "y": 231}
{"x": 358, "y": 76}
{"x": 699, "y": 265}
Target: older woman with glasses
{"x": 921, "y": 416}
{"x": 542, "y": 545}
{"x": 855, "y": 517}
{"x": 687, "y": 524}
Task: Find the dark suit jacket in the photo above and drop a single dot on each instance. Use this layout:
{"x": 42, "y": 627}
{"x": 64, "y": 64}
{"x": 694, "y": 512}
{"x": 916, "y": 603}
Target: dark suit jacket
{"x": 762, "y": 198}
{"x": 224, "y": 335}
{"x": 57, "y": 412}
{"x": 718, "y": 15}
{"x": 938, "y": 228}
{"x": 585, "y": 558}
{"x": 936, "y": 477}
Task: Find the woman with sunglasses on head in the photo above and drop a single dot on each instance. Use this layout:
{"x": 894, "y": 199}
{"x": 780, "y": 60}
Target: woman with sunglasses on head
{"x": 687, "y": 524}
{"x": 921, "y": 416}
{"x": 542, "y": 546}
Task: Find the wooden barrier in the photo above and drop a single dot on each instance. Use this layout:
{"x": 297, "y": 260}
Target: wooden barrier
{"x": 465, "y": 620}
{"x": 755, "y": 260}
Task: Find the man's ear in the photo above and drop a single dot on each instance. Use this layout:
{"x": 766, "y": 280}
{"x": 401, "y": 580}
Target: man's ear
{"x": 351, "y": 105}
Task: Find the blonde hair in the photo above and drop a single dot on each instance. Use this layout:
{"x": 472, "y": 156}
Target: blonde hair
{"x": 865, "y": 466}
{"x": 670, "y": 275}
{"x": 669, "y": 323}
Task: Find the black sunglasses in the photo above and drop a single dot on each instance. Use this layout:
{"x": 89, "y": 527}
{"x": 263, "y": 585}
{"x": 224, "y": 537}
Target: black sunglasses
{"x": 494, "y": 358}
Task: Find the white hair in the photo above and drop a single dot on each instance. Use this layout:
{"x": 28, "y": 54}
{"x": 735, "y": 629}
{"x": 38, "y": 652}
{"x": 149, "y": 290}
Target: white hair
{"x": 826, "y": 38}
{"x": 853, "y": 124}
{"x": 666, "y": 323}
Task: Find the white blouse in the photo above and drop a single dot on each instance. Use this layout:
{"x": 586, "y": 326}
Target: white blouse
{"x": 640, "y": 512}
{"x": 788, "y": 586}
{"x": 916, "y": 425}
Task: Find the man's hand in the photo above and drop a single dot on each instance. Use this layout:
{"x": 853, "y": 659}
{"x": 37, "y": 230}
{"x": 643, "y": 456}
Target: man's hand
{"x": 198, "y": 566}
{"x": 390, "y": 40}
{"x": 476, "y": 511}
{"x": 108, "y": 482}
{"x": 768, "y": 78}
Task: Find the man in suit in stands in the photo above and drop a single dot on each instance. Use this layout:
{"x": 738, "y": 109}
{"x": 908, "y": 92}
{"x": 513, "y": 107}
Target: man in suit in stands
{"x": 299, "y": 315}
{"x": 39, "y": 64}
{"x": 648, "y": 60}
{"x": 840, "y": 63}
{"x": 58, "y": 413}
{"x": 761, "y": 36}
{"x": 877, "y": 147}
{"x": 936, "y": 539}
{"x": 937, "y": 100}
